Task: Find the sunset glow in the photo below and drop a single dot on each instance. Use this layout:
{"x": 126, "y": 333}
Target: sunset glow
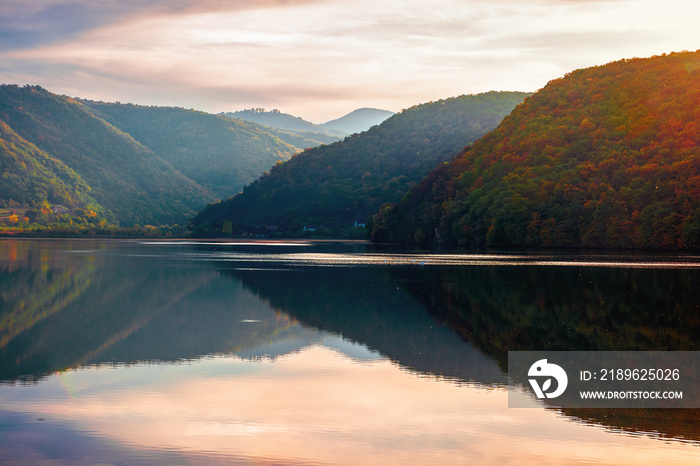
{"x": 322, "y": 59}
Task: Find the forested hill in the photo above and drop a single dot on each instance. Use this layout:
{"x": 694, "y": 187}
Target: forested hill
{"x": 604, "y": 157}
{"x": 329, "y": 188}
{"x": 78, "y": 163}
{"x": 219, "y": 153}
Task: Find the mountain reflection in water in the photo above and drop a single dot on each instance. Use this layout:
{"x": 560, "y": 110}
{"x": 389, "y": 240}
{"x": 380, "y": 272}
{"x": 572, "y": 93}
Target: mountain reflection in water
{"x": 501, "y": 308}
{"x": 68, "y": 304}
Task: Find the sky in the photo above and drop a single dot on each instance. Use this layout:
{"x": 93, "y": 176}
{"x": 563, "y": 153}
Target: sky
{"x": 321, "y": 59}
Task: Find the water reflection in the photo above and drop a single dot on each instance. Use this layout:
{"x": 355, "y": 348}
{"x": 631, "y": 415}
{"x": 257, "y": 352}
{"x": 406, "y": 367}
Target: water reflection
{"x": 499, "y": 309}
{"x": 503, "y": 309}
{"x": 81, "y": 307}
{"x": 383, "y": 357}
{"x": 371, "y": 306}
{"x": 311, "y": 407}
{"x": 184, "y": 308}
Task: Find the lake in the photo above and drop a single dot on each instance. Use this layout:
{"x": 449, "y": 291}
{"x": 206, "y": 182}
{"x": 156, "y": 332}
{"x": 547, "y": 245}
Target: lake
{"x": 176, "y": 352}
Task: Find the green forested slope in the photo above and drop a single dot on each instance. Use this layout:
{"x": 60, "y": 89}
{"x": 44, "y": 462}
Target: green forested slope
{"x": 331, "y": 187}
{"x": 32, "y": 178}
{"x": 607, "y": 156}
{"x": 219, "y": 153}
{"x": 124, "y": 177}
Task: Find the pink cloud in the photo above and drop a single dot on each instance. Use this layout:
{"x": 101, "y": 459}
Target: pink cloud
{"x": 322, "y": 59}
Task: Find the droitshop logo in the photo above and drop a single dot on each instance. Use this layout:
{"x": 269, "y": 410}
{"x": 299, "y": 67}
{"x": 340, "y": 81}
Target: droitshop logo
{"x": 544, "y": 372}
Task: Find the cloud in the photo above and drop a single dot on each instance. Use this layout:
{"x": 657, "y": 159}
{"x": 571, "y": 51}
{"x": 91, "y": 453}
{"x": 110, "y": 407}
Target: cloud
{"x": 322, "y": 57}
{"x": 39, "y": 22}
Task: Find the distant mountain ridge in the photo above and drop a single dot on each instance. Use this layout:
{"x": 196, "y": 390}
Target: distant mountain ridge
{"x": 329, "y": 189}
{"x": 275, "y": 118}
{"x": 286, "y": 122}
{"x": 358, "y": 120}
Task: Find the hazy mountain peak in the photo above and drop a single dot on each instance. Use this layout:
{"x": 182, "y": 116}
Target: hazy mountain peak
{"x": 358, "y": 120}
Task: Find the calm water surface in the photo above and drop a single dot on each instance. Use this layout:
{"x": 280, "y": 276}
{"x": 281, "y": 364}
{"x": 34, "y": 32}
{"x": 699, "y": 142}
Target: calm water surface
{"x": 127, "y": 352}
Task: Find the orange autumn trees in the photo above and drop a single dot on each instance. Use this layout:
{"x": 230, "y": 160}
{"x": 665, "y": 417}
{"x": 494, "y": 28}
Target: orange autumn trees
{"x": 604, "y": 157}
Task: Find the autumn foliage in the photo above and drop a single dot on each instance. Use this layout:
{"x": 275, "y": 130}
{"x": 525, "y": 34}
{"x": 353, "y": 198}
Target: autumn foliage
{"x": 604, "y": 157}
